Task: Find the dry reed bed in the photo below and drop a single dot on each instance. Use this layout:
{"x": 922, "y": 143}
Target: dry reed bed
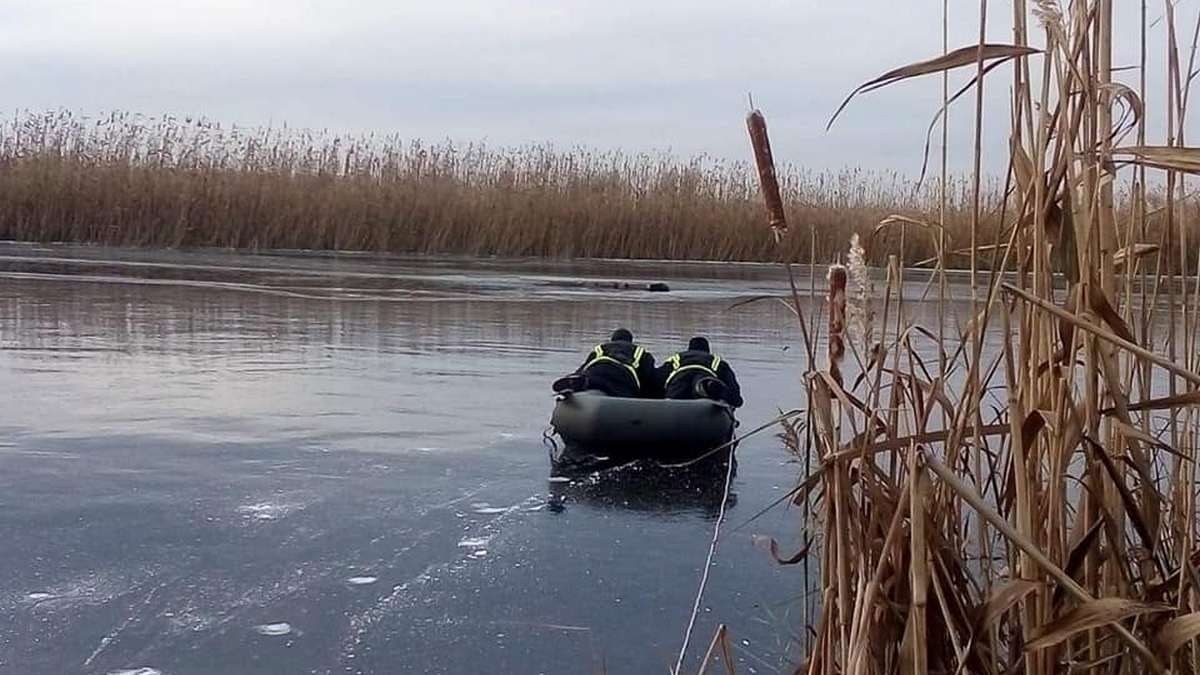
{"x": 128, "y": 180}
{"x": 1032, "y": 510}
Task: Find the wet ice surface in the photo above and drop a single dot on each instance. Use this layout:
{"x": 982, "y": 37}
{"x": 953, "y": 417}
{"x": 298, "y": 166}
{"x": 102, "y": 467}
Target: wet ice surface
{"x": 217, "y": 463}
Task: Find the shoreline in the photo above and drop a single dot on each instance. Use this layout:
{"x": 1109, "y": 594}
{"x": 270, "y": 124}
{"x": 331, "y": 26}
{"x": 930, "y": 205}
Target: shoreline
{"x": 956, "y": 276}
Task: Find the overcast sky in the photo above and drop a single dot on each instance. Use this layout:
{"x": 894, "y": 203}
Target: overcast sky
{"x": 631, "y": 74}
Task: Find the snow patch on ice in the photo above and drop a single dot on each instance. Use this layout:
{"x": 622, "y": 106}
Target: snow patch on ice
{"x": 274, "y": 629}
{"x": 266, "y": 510}
{"x": 488, "y": 509}
{"x": 475, "y": 542}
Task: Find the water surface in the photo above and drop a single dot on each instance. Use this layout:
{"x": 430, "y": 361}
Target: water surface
{"x": 229, "y": 463}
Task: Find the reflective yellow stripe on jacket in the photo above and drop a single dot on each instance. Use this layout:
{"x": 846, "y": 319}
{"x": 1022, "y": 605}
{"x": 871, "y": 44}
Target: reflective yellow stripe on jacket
{"x": 676, "y": 369}
{"x": 637, "y": 360}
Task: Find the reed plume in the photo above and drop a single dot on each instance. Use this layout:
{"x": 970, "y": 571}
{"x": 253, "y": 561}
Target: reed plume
{"x": 860, "y": 315}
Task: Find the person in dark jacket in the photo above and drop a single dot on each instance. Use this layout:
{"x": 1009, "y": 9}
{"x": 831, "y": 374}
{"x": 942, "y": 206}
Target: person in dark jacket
{"x": 698, "y": 373}
{"x": 618, "y": 368}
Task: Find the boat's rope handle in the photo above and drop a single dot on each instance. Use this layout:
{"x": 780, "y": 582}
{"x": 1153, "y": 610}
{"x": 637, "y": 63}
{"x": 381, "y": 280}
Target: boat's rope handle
{"x": 551, "y": 445}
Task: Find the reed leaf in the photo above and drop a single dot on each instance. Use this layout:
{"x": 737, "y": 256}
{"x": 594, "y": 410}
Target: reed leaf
{"x": 1183, "y": 400}
{"x": 1078, "y": 554}
{"x": 1128, "y": 500}
{"x": 1103, "y": 307}
{"x": 1171, "y": 158}
{"x": 1134, "y": 252}
{"x": 963, "y": 56}
{"x": 1089, "y": 615}
{"x": 1002, "y": 598}
{"x": 1176, "y": 633}
{"x": 771, "y": 546}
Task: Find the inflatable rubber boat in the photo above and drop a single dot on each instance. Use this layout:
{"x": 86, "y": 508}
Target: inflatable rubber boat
{"x": 627, "y": 429}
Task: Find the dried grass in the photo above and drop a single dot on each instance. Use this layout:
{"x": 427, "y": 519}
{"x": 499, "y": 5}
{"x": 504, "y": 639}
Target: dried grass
{"x": 1030, "y": 504}
{"x": 128, "y": 180}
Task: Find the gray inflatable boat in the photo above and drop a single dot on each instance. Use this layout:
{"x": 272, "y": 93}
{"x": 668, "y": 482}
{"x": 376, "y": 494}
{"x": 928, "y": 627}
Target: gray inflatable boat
{"x": 639, "y": 428}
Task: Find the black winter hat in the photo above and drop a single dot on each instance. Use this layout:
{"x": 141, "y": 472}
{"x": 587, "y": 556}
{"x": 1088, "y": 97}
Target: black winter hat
{"x": 622, "y": 335}
{"x": 698, "y": 344}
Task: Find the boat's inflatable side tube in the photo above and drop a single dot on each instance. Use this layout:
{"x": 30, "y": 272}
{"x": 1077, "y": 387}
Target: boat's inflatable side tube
{"x": 593, "y": 420}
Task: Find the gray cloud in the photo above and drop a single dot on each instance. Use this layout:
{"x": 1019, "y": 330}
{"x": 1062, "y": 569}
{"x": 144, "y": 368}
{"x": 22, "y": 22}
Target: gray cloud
{"x": 630, "y": 74}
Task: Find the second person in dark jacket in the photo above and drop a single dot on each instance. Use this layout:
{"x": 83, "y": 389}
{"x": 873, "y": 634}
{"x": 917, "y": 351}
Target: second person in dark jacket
{"x": 698, "y": 373}
{"x": 618, "y": 368}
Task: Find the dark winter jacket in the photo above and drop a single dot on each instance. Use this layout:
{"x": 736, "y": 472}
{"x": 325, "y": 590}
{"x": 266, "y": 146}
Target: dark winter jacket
{"x": 621, "y": 369}
{"x": 678, "y": 375}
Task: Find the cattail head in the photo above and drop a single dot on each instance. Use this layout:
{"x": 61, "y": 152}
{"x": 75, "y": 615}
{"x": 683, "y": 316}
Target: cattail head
{"x": 756, "y": 124}
{"x": 837, "y": 318}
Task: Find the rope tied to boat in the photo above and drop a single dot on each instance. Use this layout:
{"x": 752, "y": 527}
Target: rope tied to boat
{"x": 708, "y": 561}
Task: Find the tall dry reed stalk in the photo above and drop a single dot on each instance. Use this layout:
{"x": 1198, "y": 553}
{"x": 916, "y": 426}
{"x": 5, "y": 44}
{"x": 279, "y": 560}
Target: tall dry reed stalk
{"x": 1028, "y": 502}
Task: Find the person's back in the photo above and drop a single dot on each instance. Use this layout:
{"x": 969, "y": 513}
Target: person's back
{"x": 698, "y": 373}
{"x": 617, "y": 367}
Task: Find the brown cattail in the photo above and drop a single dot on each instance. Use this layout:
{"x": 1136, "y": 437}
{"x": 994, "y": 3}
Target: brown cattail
{"x": 837, "y": 319}
{"x": 757, "y": 125}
